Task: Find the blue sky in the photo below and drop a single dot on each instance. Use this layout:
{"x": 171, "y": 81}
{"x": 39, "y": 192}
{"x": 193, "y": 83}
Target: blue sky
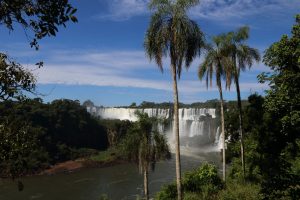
{"x": 101, "y": 58}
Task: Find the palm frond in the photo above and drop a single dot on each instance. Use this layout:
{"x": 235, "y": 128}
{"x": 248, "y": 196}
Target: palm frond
{"x": 246, "y": 55}
{"x": 217, "y": 61}
{"x": 241, "y": 34}
{"x": 156, "y": 40}
{"x": 242, "y": 56}
{"x": 172, "y": 33}
{"x": 186, "y": 4}
{"x": 228, "y": 68}
{"x": 159, "y": 5}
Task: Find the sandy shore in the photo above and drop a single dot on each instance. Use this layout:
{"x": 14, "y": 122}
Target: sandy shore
{"x": 75, "y": 165}
{"x": 68, "y": 166}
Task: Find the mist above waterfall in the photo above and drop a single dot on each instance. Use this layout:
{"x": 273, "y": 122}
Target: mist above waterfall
{"x": 198, "y": 127}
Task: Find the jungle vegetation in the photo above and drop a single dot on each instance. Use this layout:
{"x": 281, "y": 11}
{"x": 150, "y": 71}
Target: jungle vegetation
{"x": 263, "y": 154}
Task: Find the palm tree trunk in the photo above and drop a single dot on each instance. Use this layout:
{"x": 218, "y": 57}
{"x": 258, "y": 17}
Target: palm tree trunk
{"x": 176, "y": 133}
{"x": 146, "y": 188}
{"x": 223, "y": 129}
{"x": 240, "y": 123}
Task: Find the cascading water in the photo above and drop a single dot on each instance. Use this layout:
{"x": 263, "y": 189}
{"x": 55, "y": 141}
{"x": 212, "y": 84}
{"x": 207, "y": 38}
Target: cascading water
{"x": 197, "y": 126}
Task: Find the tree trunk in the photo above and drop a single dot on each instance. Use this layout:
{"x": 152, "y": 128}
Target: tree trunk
{"x": 176, "y": 133}
{"x": 236, "y": 78}
{"x": 223, "y": 129}
{"x": 146, "y": 188}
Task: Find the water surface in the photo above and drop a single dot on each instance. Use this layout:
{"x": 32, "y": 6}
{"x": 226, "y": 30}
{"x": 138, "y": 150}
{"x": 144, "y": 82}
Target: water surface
{"x": 117, "y": 182}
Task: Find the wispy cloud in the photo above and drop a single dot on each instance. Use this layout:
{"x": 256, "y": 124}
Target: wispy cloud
{"x": 120, "y": 10}
{"x": 110, "y": 68}
{"x": 219, "y": 10}
{"x": 117, "y": 69}
{"x": 94, "y": 76}
{"x": 222, "y": 10}
{"x": 122, "y": 59}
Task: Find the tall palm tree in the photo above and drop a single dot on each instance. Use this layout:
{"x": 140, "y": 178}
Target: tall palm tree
{"x": 171, "y": 33}
{"x": 145, "y": 146}
{"x": 217, "y": 62}
{"x": 242, "y": 57}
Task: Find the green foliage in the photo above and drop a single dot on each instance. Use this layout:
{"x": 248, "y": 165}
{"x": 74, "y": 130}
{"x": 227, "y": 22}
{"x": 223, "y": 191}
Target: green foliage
{"x": 284, "y": 54}
{"x": 201, "y": 183}
{"x": 204, "y": 184}
{"x": 282, "y": 115}
{"x": 35, "y": 135}
{"x": 147, "y": 104}
{"x": 205, "y": 176}
{"x": 116, "y": 130}
{"x": 295, "y": 162}
{"x": 42, "y": 17}
{"x": 239, "y": 190}
{"x": 143, "y": 144}
{"x": 213, "y": 103}
{"x": 172, "y": 33}
{"x": 133, "y": 105}
{"x": 105, "y": 156}
{"x": 20, "y": 150}
{"x": 192, "y": 196}
{"x": 272, "y": 124}
{"x": 14, "y": 79}
{"x": 253, "y": 126}
{"x": 104, "y": 197}
{"x": 71, "y": 124}
{"x": 242, "y": 56}
{"x": 167, "y": 192}
{"x": 88, "y": 103}
{"x": 217, "y": 62}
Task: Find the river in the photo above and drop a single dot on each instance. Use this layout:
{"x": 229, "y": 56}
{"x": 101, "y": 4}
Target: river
{"x": 118, "y": 182}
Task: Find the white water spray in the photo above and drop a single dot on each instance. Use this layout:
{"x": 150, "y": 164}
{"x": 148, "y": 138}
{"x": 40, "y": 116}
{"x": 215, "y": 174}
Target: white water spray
{"x": 197, "y": 126}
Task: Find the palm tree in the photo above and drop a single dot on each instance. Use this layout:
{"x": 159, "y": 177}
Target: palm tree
{"x": 217, "y": 62}
{"x": 171, "y": 33}
{"x": 145, "y": 146}
{"x": 242, "y": 57}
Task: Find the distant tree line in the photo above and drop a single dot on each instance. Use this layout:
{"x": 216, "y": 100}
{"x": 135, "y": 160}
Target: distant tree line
{"x": 34, "y": 135}
{"x": 212, "y": 103}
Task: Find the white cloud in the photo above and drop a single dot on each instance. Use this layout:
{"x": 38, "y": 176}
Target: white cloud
{"x": 219, "y": 10}
{"x": 120, "y": 10}
{"x": 118, "y": 69}
{"x": 222, "y": 10}
{"x": 95, "y": 76}
{"x": 115, "y": 68}
{"x": 125, "y": 60}
{"x": 192, "y": 87}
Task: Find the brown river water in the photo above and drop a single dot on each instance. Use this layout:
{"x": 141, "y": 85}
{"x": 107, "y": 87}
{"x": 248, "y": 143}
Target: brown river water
{"x": 118, "y": 182}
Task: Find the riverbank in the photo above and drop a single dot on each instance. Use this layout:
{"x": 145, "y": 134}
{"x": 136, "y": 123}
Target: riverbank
{"x": 76, "y": 165}
{"x": 101, "y": 159}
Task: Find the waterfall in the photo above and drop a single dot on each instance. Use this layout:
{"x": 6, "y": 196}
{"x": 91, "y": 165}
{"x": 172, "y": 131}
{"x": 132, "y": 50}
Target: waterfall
{"x": 197, "y": 126}
{"x": 218, "y": 139}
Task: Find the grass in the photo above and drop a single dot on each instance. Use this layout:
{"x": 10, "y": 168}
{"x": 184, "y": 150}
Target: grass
{"x": 104, "y": 156}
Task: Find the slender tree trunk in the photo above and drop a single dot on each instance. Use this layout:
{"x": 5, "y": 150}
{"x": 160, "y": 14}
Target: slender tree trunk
{"x": 240, "y": 123}
{"x": 176, "y": 133}
{"x": 146, "y": 188}
{"x": 223, "y": 129}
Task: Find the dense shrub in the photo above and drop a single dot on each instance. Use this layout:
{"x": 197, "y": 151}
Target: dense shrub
{"x": 191, "y": 196}
{"x": 201, "y": 179}
{"x": 201, "y": 183}
{"x": 237, "y": 191}
{"x": 168, "y": 192}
